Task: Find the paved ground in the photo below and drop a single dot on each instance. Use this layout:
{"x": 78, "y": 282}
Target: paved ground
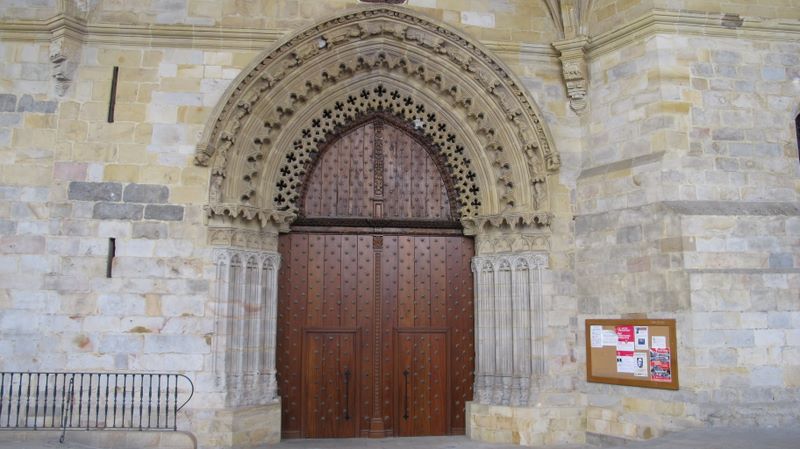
{"x": 718, "y": 438}
{"x": 697, "y": 439}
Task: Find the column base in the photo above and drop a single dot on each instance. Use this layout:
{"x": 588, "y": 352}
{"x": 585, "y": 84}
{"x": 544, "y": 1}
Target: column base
{"x": 527, "y": 426}
{"x": 249, "y": 426}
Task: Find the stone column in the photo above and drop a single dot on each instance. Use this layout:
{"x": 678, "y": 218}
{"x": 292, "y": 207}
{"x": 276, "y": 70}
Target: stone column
{"x": 247, "y": 287}
{"x": 509, "y": 326}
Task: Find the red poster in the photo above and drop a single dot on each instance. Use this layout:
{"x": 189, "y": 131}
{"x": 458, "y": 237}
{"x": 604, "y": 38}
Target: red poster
{"x": 660, "y": 369}
{"x": 624, "y": 334}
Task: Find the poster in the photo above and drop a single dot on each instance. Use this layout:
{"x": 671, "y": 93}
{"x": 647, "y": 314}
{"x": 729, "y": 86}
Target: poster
{"x": 660, "y": 369}
{"x": 596, "y": 336}
{"x": 624, "y": 338}
{"x": 609, "y": 338}
{"x": 626, "y": 363}
{"x": 659, "y": 342}
{"x": 640, "y": 364}
{"x": 625, "y": 345}
{"x": 640, "y": 337}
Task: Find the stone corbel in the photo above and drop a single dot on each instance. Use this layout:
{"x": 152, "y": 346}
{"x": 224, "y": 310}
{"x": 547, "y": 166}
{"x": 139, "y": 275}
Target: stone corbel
{"x": 575, "y": 70}
{"x": 65, "y": 55}
{"x": 66, "y": 41}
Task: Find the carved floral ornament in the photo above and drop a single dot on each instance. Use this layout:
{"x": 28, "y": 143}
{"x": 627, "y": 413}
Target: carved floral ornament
{"x": 284, "y": 108}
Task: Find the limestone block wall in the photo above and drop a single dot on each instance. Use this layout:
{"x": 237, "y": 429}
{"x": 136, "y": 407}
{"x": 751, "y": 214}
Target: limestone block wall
{"x": 686, "y": 209}
{"x": 30, "y": 10}
{"x": 744, "y": 286}
{"x": 609, "y": 14}
{"x": 71, "y": 181}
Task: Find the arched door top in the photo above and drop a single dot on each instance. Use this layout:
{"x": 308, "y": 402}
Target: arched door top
{"x": 381, "y": 169}
{"x": 268, "y": 111}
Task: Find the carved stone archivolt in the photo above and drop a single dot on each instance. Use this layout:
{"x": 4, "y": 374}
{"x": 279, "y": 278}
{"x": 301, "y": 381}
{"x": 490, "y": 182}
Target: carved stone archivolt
{"x": 284, "y": 107}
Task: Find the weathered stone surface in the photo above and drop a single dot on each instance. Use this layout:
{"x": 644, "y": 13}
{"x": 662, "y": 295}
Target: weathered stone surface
{"x": 146, "y": 230}
{"x": 166, "y": 212}
{"x": 8, "y": 102}
{"x": 145, "y": 193}
{"x": 781, "y": 260}
{"x": 117, "y": 211}
{"x": 95, "y": 191}
{"x": 8, "y": 119}
{"x": 28, "y": 104}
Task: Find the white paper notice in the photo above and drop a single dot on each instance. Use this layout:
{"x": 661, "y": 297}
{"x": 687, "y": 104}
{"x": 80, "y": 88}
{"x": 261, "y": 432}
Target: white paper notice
{"x": 609, "y": 338}
{"x": 640, "y": 364}
{"x": 640, "y": 337}
{"x": 659, "y": 342}
{"x": 626, "y": 346}
{"x": 626, "y": 364}
{"x": 596, "y": 336}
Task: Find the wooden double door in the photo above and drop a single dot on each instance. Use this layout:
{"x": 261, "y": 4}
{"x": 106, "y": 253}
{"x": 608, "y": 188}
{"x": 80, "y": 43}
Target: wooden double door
{"x": 375, "y": 334}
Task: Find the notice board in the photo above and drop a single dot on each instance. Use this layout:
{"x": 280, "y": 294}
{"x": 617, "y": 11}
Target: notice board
{"x": 635, "y": 352}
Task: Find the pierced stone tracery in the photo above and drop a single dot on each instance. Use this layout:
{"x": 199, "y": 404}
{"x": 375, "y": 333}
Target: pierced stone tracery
{"x": 351, "y": 108}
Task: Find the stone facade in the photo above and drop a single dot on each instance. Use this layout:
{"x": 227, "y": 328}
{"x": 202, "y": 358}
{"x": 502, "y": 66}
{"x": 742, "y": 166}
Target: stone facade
{"x": 655, "y": 173}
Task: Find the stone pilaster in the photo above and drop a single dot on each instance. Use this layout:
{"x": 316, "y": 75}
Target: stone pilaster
{"x": 509, "y": 326}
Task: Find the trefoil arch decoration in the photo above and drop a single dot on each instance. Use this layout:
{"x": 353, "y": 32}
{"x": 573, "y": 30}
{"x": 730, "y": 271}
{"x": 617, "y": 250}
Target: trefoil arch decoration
{"x": 247, "y": 142}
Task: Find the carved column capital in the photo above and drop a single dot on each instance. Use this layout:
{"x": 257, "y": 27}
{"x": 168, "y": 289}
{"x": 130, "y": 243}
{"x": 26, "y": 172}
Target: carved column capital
{"x": 574, "y": 70}
{"x": 509, "y": 233}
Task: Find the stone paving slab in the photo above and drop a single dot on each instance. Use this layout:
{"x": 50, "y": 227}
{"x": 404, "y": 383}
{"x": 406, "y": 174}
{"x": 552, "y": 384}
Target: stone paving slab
{"x": 724, "y": 438}
{"x": 450, "y": 442}
{"x": 717, "y": 438}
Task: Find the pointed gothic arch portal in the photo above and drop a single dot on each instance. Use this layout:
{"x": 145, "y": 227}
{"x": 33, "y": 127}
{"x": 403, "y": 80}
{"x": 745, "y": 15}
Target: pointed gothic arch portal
{"x": 456, "y": 146}
{"x": 376, "y": 337}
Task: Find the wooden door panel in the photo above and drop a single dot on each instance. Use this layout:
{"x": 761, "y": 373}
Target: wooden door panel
{"x": 328, "y": 378}
{"x": 460, "y": 322}
{"x": 422, "y": 282}
{"x": 422, "y": 387}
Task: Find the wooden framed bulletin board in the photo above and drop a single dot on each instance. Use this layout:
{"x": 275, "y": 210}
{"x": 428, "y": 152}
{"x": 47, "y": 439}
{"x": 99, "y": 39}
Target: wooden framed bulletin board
{"x": 635, "y": 352}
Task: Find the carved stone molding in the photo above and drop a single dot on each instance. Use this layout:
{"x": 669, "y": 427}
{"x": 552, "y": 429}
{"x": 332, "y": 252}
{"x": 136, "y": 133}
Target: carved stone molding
{"x": 245, "y": 330}
{"x": 286, "y": 101}
{"x": 266, "y": 217}
{"x": 574, "y": 70}
{"x": 509, "y": 327}
{"x": 243, "y": 238}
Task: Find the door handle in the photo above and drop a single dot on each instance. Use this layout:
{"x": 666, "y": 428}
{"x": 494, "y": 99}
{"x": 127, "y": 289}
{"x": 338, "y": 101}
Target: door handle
{"x": 347, "y": 394}
{"x": 405, "y": 400}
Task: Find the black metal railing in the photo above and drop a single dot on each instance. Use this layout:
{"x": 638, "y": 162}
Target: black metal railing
{"x": 92, "y": 401}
